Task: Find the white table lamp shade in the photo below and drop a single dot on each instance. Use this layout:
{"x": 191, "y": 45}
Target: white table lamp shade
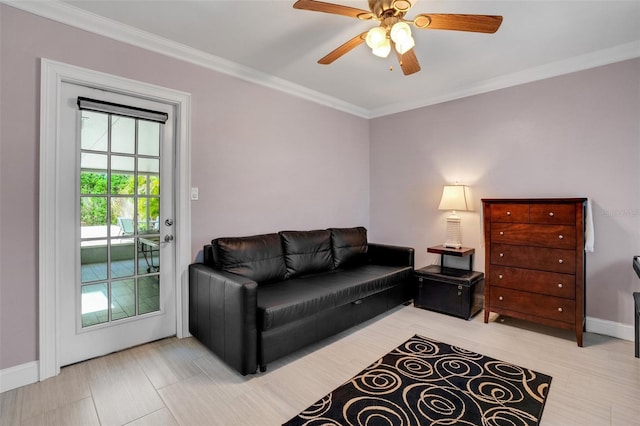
{"x": 454, "y": 197}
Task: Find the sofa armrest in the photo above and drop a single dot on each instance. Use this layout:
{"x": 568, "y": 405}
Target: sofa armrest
{"x": 222, "y": 315}
{"x": 382, "y": 254}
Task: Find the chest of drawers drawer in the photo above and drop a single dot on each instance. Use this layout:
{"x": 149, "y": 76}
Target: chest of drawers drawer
{"x": 539, "y": 305}
{"x": 552, "y": 213}
{"x": 510, "y": 213}
{"x": 556, "y": 236}
{"x": 550, "y": 283}
{"x": 541, "y": 258}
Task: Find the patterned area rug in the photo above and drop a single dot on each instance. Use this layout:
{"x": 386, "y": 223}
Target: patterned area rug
{"x": 425, "y": 382}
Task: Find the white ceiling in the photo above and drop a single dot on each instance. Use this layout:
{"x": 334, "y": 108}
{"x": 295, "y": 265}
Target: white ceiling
{"x": 269, "y": 42}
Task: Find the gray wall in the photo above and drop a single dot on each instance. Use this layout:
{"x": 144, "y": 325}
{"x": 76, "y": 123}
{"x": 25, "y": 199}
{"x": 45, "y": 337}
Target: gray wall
{"x": 576, "y": 135}
{"x": 262, "y": 160}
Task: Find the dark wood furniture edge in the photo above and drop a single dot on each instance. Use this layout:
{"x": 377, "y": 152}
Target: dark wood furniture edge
{"x": 528, "y": 200}
{"x": 461, "y": 252}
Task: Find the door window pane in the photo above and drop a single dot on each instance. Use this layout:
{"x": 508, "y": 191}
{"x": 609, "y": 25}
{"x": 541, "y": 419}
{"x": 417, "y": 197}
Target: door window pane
{"x": 95, "y": 304}
{"x": 122, "y": 174}
{"x": 93, "y": 213}
{"x": 93, "y": 260}
{"x": 123, "y": 134}
{"x": 149, "y": 165}
{"x": 148, "y": 294}
{"x": 148, "y": 254}
{"x": 122, "y": 258}
{"x": 95, "y": 131}
{"x": 149, "y": 138}
{"x": 123, "y": 299}
{"x": 148, "y": 215}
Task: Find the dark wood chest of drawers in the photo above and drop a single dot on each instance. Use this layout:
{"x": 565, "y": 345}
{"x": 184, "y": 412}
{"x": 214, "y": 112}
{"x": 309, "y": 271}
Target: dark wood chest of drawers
{"x": 535, "y": 261}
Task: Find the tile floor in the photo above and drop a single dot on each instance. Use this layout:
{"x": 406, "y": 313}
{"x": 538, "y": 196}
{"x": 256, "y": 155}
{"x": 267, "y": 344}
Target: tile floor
{"x": 179, "y": 382}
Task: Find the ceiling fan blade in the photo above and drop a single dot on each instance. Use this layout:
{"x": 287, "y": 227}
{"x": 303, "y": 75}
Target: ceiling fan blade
{"x": 444, "y": 21}
{"x": 408, "y": 62}
{"x": 337, "y": 9}
{"x": 345, "y": 48}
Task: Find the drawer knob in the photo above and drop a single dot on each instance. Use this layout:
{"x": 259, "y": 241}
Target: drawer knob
{"x": 560, "y": 261}
{"x": 561, "y": 237}
{"x": 508, "y": 213}
{"x": 501, "y": 254}
{"x": 560, "y": 285}
{"x": 551, "y": 214}
{"x": 420, "y": 279}
{"x": 500, "y": 276}
{"x": 501, "y": 233}
{"x": 500, "y": 298}
{"x": 559, "y": 309}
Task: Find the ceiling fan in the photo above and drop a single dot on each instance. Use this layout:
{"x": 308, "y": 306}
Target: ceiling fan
{"x": 394, "y": 31}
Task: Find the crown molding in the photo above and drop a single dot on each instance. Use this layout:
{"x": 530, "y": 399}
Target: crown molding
{"x": 67, "y": 14}
{"x": 78, "y": 18}
{"x": 578, "y": 63}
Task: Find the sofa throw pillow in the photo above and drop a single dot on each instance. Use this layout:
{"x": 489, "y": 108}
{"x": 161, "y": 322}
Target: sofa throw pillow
{"x": 258, "y": 257}
{"x": 349, "y": 246}
{"x": 306, "y": 252}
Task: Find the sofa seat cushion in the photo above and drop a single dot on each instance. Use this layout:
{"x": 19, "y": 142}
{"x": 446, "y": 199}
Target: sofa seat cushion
{"x": 290, "y": 300}
{"x": 357, "y": 283}
{"x": 285, "y": 301}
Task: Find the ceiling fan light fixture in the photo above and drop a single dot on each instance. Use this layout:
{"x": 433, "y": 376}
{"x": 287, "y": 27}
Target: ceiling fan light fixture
{"x": 383, "y": 49}
{"x": 400, "y": 32}
{"x": 376, "y": 37}
{"x": 405, "y": 46}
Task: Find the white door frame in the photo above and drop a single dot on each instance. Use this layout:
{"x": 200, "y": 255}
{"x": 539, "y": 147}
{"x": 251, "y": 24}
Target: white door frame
{"x": 52, "y": 75}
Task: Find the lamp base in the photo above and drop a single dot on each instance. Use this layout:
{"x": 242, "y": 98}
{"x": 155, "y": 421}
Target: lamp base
{"x": 454, "y": 238}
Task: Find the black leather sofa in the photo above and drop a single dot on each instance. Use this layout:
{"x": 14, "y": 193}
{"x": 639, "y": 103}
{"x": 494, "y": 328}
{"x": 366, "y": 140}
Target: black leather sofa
{"x": 258, "y": 298}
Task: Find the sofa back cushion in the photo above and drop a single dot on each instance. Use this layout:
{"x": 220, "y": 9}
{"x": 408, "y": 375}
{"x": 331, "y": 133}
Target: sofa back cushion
{"x": 258, "y": 257}
{"x": 349, "y": 246}
{"x": 306, "y": 252}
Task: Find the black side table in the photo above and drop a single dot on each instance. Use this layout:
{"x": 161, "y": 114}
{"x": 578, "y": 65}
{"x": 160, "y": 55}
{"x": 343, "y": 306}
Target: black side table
{"x": 451, "y": 291}
{"x": 456, "y": 252}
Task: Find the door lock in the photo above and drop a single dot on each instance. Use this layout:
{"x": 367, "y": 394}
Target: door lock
{"x": 168, "y": 222}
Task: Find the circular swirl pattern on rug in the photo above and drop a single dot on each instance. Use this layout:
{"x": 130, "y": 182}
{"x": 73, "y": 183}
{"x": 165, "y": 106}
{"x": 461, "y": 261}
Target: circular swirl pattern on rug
{"x": 317, "y": 409}
{"x": 416, "y": 368}
{"x": 375, "y": 411}
{"x": 416, "y": 347}
{"x": 424, "y": 381}
{"x": 378, "y": 381}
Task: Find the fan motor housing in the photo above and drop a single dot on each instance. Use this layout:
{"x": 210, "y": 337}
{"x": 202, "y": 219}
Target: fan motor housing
{"x": 387, "y": 7}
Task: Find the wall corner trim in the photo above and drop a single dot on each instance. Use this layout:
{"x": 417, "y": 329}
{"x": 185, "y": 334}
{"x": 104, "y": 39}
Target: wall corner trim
{"x": 20, "y": 375}
{"x": 610, "y": 328}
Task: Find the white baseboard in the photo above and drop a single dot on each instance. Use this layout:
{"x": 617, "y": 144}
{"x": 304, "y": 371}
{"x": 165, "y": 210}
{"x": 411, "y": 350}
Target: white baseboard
{"x": 610, "y": 328}
{"x": 20, "y": 375}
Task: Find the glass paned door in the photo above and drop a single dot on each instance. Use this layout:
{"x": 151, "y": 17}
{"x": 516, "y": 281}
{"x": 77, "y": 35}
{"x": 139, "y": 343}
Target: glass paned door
{"x": 119, "y": 217}
{"x": 114, "y": 198}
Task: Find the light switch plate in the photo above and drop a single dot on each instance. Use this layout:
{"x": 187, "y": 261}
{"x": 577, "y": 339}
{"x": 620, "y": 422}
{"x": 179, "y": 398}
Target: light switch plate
{"x": 194, "y": 193}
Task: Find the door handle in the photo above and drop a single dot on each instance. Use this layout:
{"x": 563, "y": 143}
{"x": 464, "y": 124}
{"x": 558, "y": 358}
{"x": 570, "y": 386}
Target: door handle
{"x": 168, "y": 238}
